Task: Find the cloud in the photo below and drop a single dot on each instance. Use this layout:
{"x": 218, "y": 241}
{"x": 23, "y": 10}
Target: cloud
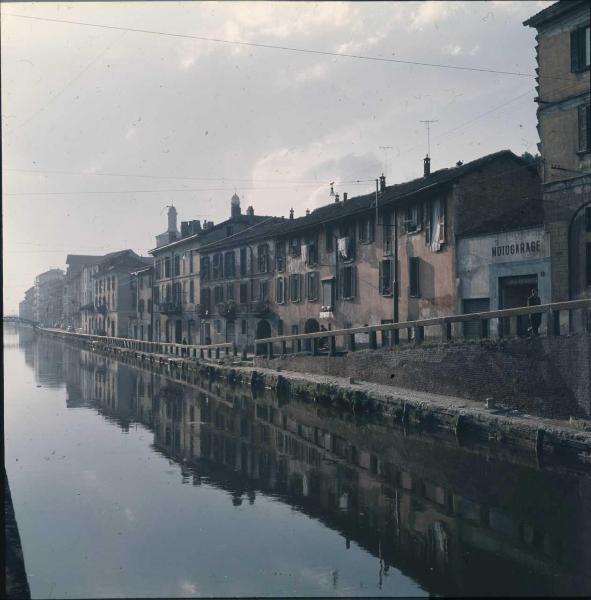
{"x": 453, "y": 49}
{"x": 189, "y": 588}
{"x": 431, "y": 12}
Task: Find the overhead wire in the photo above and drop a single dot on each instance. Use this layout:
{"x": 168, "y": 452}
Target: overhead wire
{"x": 277, "y": 47}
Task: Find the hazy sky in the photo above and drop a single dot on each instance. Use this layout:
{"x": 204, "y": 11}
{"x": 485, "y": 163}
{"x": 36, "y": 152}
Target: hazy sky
{"x": 102, "y": 127}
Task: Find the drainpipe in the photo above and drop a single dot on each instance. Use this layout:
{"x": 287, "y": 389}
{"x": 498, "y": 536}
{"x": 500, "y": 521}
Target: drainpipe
{"x": 396, "y": 276}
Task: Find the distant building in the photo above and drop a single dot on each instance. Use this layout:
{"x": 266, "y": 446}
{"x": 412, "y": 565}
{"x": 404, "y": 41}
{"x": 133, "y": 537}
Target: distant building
{"x": 564, "y": 126}
{"x": 113, "y": 298}
{"x": 176, "y": 293}
{"x": 141, "y": 323}
{"x": 76, "y": 287}
{"x": 49, "y": 290}
{"x": 26, "y": 308}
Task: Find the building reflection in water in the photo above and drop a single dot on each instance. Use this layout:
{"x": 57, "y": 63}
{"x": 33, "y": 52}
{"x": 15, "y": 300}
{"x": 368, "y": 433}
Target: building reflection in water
{"x": 453, "y": 519}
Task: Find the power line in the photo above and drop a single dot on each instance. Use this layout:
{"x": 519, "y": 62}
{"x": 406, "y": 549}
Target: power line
{"x": 284, "y": 48}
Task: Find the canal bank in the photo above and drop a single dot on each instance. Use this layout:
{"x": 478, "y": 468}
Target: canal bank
{"x": 498, "y": 426}
{"x": 15, "y": 575}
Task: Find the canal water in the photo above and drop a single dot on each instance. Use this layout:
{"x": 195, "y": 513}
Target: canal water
{"x": 126, "y": 482}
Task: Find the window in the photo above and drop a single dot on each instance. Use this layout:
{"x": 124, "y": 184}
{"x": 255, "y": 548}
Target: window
{"x": 366, "y": 230}
{"x": 141, "y": 306}
{"x": 294, "y": 287}
{"x": 310, "y": 255}
{"x": 413, "y": 276}
{"x": 243, "y": 263}
{"x": 230, "y": 292}
{"x": 348, "y": 282}
{"x": 218, "y": 294}
{"x": 387, "y": 228}
{"x": 168, "y": 292}
{"x": 579, "y": 49}
{"x": 263, "y": 258}
{"x": 280, "y": 290}
{"x": 205, "y": 274}
{"x": 386, "y": 278}
{"x": 413, "y": 220}
{"x": 280, "y": 256}
{"x": 328, "y": 240}
{"x": 149, "y": 306}
{"x": 167, "y": 267}
{"x": 206, "y": 298}
{"x": 158, "y": 269}
{"x": 294, "y": 247}
{"x": 312, "y": 286}
{"x": 588, "y": 265}
{"x": 178, "y": 293}
{"x": 192, "y": 292}
{"x": 184, "y": 292}
{"x": 190, "y": 261}
{"x": 585, "y": 128}
{"x": 243, "y": 326}
{"x": 435, "y": 231}
{"x": 177, "y": 265}
{"x": 156, "y": 295}
{"x": 216, "y": 268}
{"x": 588, "y": 219}
{"x": 243, "y": 293}
{"x": 217, "y": 324}
{"x": 229, "y": 264}
{"x": 328, "y": 294}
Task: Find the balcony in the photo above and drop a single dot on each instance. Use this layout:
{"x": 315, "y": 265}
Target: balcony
{"x": 170, "y": 308}
{"x": 226, "y": 309}
{"x": 259, "y": 309}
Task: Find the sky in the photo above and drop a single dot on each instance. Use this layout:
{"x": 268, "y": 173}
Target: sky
{"x": 103, "y": 127}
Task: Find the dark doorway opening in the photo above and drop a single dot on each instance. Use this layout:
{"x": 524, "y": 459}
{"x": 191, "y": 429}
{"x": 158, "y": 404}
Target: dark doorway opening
{"x": 311, "y": 326}
{"x": 513, "y": 293}
{"x": 263, "y": 331}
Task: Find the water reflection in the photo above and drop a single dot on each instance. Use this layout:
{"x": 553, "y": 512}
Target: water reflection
{"x": 455, "y": 521}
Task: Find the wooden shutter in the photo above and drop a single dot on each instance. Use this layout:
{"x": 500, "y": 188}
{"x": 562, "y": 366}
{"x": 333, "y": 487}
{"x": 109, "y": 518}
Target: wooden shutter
{"x": 574, "y": 50}
{"x": 354, "y": 281}
{"x": 381, "y": 277}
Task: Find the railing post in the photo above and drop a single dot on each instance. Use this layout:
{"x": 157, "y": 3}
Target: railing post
{"x": 419, "y": 334}
{"x": 227, "y": 350}
{"x": 269, "y": 350}
{"x": 373, "y": 340}
{"x": 234, "y": 349}
{"x": 283, "y": 347}
{"x": 554, "y": 317}
{"x": 201, "y": 353}
{"x": 217, "y": 352}
{"x": 351, "y": 342}
{"x": 244, "y": 354}
{"x": 446, "y": 332}
{"x": 314, "y": 346}
{"x": 332, "y": 345}
{"x": 483, "y": 328}
{"x": 208, "y": 352}
{"x": 396, "y": 337}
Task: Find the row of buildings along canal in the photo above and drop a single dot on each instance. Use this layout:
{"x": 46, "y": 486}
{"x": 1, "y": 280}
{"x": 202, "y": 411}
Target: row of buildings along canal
{"x": 469, "y": 238}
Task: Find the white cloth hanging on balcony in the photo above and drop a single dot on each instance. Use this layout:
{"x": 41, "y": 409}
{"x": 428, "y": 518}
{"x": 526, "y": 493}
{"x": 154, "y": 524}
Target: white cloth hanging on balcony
{"x": 343, "y": 247}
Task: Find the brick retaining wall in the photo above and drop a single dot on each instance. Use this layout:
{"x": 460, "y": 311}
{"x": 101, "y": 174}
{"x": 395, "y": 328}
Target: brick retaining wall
{"x": 544, "y": 376}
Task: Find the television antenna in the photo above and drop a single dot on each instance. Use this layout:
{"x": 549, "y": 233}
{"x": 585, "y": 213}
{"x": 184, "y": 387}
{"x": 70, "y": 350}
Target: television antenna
{"x": 428, "y": 125}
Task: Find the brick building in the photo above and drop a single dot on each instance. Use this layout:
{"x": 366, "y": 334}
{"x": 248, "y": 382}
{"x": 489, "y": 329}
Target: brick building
{"x": 564, "y": 126}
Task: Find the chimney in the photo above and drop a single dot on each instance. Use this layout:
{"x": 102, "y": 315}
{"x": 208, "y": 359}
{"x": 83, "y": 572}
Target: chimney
{"x": 426, "y": 166}
{"x": 337, "y": 198}
{"x": 307, "y": 212}
{"x": 235, "y": 207}
{"x": 184, "y": 228}
{"x": 172, "y": 219}
{"x": 382, "y": 183}
{"x": 459, "y": 163}
{"x": 250, "y": 211}
{"x": 344, "y": 196}
{"x": 291, "y": 213}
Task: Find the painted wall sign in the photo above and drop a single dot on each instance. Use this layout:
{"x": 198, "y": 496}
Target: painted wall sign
{"x": 529, "y": 247}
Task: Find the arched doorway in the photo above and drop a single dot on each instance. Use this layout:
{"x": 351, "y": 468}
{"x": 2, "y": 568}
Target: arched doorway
{"x": 579, "y": 255}
{"x": 263, "y": 331}
{"x": 311, "y": 326}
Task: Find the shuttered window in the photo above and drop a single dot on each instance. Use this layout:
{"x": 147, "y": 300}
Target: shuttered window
{"x": 385, "y": 282}
{"x": 579, "y": 49}
{"x": 414, "y": 277}
{"x": 349, "y": 282}
{"x": 585, "y": 128}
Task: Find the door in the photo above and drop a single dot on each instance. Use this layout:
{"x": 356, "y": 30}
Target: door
{"x": 178, "y": 331}
{"x": 513, "y": 293}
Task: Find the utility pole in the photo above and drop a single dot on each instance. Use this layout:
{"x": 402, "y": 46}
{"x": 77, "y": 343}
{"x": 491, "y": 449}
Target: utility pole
{"x": 428, "y": 125}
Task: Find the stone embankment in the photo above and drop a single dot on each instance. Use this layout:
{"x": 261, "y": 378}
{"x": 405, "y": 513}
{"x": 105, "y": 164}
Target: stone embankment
{"x": 502, "y": 427}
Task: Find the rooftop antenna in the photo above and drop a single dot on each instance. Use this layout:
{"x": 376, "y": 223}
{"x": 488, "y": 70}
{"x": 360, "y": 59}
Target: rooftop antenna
{"x": 385, "y": 150}
{"x": 428, "y": 124}
{"x": 331, "y": 195}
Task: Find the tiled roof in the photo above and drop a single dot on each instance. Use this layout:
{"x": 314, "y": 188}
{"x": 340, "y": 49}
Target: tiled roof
{"x": 392, "y": 195}
{"x": 554, "y": 11}
{"x": 77, "y": 261}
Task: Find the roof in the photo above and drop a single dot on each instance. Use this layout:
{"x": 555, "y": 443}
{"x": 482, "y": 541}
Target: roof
{"x": 77, "y": 262}
{"x": 212, "y": 233}
{"x": 554, "y": 11}
{"x": 398, "y": 194}
{"x": 122, "y": 256}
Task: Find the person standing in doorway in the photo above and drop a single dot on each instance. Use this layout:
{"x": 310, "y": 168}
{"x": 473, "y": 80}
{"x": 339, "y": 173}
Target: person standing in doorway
{"x": 536, "y": 318}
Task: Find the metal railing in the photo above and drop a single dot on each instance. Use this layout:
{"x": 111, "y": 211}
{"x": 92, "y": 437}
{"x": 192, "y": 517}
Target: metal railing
{"x": 507, "y": 326}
